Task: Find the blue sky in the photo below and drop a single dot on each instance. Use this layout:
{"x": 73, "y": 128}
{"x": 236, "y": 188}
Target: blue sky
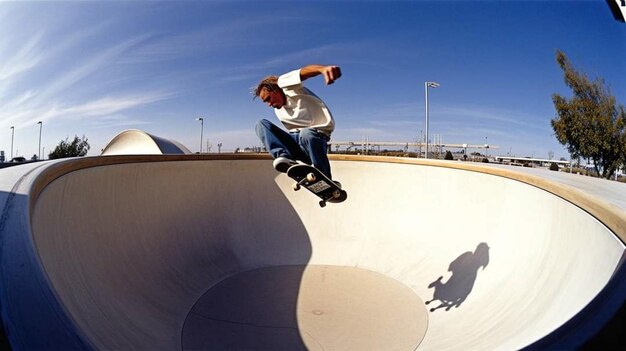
{"x": 97, "y": 68}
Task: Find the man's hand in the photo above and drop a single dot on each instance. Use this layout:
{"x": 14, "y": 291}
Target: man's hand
{"x": 330, "y": 73}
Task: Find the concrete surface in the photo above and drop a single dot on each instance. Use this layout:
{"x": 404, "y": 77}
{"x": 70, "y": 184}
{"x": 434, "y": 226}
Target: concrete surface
{"x": 195, "y": 252}
{"x": 134, "y": 142}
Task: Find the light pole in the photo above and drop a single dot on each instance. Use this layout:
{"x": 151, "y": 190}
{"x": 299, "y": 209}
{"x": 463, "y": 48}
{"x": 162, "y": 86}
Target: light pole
{"x": 426, "y": 86}
{"x": 12, "y": 135}
{"x": 486, "y": 148}
{"x": 201, "y": 130}
{"x": 39, "y": 149}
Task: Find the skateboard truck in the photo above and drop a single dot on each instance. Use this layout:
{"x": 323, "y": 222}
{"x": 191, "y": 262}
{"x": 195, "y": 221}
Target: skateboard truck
{"x": 310, "y": 178}
{"x": 316, "y": 182}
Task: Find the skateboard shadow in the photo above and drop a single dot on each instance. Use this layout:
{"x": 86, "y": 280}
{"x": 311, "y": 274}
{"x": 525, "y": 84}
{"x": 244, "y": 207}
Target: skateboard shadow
{"x": 457, "y": 288}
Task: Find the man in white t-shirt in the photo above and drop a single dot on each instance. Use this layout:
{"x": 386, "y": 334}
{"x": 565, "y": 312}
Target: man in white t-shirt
{"x": 305, "y": 116}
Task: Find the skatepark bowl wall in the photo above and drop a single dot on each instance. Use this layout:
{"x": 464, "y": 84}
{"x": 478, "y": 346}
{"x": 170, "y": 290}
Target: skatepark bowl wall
{"x": 194, "y": 252}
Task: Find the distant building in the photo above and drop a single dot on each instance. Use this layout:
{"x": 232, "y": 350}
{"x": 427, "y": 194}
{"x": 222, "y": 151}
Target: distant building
{"x": 529, "y": 161}
{"x": 2, "y": 159}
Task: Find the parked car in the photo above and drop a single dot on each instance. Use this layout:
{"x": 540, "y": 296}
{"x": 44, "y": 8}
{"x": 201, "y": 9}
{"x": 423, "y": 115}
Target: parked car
{"x": 18, "y": 159}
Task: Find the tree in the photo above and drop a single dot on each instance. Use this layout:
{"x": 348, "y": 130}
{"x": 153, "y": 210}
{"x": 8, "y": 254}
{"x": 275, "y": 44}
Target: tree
{"x": 448, "y": 155}
{"x": 622, "y": 126}
{"x": 75, "y": 148}
{"x": 590, "y": 124}
{"x": 554, "y": 166}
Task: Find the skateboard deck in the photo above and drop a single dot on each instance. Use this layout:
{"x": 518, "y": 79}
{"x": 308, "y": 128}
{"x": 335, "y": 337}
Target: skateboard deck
{"x": 317, "y": 183}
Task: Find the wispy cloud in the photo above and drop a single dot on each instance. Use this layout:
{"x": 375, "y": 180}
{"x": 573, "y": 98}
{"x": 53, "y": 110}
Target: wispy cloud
{"x": 24, "y": 59}
{"x": 303, "y": 55}
{"x": 481, "y": 115}
{"x": 341, "y": 53}
{"x": 403, "y": 122}
{"x": 109, "y": 105}
{"x": 256, "y": 70}
{"x": 57, "y": 81}
{"x": 395, "y": 124}
{"x": 104, "y": 109}
{"x": 359, "y": 133}
{"x": 212, "y": 38}
{"x": 93, "y": 64}
{"x": 111, "y": 121}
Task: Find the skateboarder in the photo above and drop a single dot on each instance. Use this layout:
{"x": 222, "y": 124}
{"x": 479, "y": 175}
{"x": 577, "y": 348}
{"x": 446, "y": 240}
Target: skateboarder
{"x": 305, "y": 116}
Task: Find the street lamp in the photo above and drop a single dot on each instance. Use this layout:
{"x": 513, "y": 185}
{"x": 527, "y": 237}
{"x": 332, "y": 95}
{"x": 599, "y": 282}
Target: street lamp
{"x": 39, "y": 149}
{"x": 201, "y": 130}
{"x": 12, "y": 135}
{"x": 486, "y": 148}
{"x": 426, "y": 86}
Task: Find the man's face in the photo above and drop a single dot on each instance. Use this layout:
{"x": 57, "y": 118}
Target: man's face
{"x": 273, "y": 99}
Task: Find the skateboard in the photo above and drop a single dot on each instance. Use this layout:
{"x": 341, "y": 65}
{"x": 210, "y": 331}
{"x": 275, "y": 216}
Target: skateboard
{"x": 317, "y": 183}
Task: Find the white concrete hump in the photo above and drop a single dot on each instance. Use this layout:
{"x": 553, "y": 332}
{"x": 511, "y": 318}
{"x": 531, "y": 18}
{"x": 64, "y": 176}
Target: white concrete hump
{"x": 137, "y": 142}
{"x": 193, "y": 252}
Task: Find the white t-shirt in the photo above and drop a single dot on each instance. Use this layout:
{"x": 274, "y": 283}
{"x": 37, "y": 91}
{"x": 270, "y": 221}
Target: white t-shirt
{"x": 302, "y": 109}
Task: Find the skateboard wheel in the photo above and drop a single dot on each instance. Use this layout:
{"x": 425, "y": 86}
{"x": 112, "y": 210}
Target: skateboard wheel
{"x": 322, "y": 203}
{"x": 336, "y": 194}
{"x": 296, "y": 186}
{"x": 310, "y": 177}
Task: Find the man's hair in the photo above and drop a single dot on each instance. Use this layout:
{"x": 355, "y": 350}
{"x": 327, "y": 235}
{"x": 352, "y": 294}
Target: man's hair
{"x": 270, "y": 83}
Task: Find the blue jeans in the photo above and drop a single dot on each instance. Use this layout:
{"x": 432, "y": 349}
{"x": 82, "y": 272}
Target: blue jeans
{"x": 308, "y": 145}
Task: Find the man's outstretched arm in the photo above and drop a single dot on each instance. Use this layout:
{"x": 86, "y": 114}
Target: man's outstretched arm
{"x": 330, "y": 73}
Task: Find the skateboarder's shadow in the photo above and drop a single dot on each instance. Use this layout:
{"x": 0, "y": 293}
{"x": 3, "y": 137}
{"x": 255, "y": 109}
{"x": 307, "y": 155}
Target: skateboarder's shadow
{"x": 464, "y": 270}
